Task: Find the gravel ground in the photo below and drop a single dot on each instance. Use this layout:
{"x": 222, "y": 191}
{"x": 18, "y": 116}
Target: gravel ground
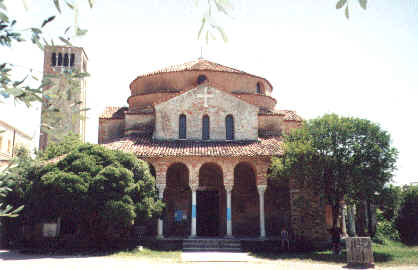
{"x": 13, "y": 260}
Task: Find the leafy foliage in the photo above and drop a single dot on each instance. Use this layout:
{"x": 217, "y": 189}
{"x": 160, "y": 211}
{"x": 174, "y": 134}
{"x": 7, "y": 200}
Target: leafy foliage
{"x": 407, "y": 221}
{"x": 102, "y": 192}
{"x": 338, "y": 158}
{"x": 344, "y": 3}
{"x": 385, "y": 229}
{"x": 66, "y": 145}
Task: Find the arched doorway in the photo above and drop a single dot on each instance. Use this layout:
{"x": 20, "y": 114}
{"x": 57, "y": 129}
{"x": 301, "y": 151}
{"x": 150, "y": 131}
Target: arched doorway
{"x": 245, "y": 202}
{"x": 177, "y": 198}
{"x": 210, "y": 218}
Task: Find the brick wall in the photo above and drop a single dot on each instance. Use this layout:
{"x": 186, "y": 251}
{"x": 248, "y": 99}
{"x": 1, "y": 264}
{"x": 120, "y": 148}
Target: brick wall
{"x": 225, "y": 81}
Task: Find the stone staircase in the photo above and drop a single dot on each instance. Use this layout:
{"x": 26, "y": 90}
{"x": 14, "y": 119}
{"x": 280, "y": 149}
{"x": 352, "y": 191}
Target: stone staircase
{"x": 212, "y": 244}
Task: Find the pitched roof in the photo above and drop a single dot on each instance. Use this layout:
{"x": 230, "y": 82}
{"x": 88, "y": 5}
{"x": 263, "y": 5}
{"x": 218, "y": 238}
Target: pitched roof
{"x": 290, "y": 115}
{"x": 113, "y": 112}
{"x": 144, "y": 146}
{"x": 287, "y": 115}
{"x": 200, "y": 64}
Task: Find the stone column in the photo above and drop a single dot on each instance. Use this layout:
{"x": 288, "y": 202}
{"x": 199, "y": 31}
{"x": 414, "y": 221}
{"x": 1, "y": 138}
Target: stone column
{"x": 261, "y": 189}
{"x": 161, "y": 188}
{"x": 343, "y": 223}
{"x": 228, "y": 188}
{"x": 193, "y": 187}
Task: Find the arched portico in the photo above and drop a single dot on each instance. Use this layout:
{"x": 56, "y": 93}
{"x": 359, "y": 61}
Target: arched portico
{"x": 245, "y": 201}
{"x": 177, "y": 198}
{"x": 210, "y": 214}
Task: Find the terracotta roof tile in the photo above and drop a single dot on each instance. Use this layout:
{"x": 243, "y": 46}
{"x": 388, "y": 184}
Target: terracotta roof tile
{"x": 199, "y": 64}
{"x": 290, "y": 115}
{"x": 144, "y": 146}
{"x": 112, "y": 112}
{"x": 287, "y": 115}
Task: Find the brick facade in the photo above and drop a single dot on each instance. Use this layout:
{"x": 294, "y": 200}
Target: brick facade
{"x": 231, "y": 175}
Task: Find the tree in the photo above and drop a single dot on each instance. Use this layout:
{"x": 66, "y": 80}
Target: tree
{"x": 338, "y": 158}
{"x": 67, "y": 144}
{"x": 406, "y": 221}
{"x": 91, "y": 188}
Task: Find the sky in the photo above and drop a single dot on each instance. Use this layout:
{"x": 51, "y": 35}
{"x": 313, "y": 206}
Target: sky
{"x": 317, "y": 61}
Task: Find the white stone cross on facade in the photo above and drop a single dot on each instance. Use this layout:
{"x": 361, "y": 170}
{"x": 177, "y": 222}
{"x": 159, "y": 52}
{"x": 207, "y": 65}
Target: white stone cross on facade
{"x": 205, "y": 96}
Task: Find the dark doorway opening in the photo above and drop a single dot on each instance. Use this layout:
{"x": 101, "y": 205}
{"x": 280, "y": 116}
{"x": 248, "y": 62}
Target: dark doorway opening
{"x": 207, "y": 222}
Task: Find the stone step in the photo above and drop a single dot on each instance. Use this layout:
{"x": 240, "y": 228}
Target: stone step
{"x": 213, "y": 249}
{"x": 211, "y": 245}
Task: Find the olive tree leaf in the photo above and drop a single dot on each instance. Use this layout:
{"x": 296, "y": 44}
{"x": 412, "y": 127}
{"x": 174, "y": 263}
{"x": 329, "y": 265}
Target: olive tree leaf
{"x": 81, "y": 32}
{"x": 220, "y": 5}
{"x": 363, "y": 4}
{"x": 57, "y": 5}
{"x": 3, "y": 17}
{"x": 222, "y": 32}
{"x": 201, "y": 27}
{"x": 91, "y": 2}
{"x": 50, "y": 19}
{"x": 347, "y": 12}
{"x": 341, "y": 3}
{"x": 69, "y": 5}
{"x": 65, "y": 41}
{"x": 2, "y": 6}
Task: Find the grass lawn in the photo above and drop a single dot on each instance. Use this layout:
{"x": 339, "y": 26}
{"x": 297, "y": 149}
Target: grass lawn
{"x": 389, "y": 254}
{"x": 150, "y": 255}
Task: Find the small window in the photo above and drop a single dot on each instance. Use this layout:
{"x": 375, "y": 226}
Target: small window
{"x": 66, "y": 60}
{"x": 259, "y": 88}
{"x": 72, "y": 59}
{"x": 54, "y": 59}
{"x": 182, "y": 127}
{"x": 229, "y": 124}
{"x": 59, "y": 59}
{"x": 201, "y": 79}
{"x": 205, "y": 128}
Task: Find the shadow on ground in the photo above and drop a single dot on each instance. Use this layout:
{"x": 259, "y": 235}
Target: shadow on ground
{"x": 318, "y": 256}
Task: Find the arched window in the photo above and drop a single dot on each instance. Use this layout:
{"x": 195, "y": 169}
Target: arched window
{"x": 229, "y": 124}
{"x": 66, "y": 60}
{"x": 59, "y": 59}
{"x": 259, "y": 88}
{"x": 205, "y": 128}
{"x": 72, "y": 59}
{"x": 201, "y": 79}
{"x": 54, "y": 59}
{"x": 182, "y": 127}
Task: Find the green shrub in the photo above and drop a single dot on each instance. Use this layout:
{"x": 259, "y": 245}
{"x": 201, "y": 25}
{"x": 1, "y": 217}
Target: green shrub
{"x": 407, "y": 220}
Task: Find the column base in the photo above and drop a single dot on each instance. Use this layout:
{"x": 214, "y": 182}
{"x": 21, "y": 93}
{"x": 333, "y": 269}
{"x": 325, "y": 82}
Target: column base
{"x": 192, "y": 236}
{"x": 229, "y": 236}
{"x": 159, "y": 237}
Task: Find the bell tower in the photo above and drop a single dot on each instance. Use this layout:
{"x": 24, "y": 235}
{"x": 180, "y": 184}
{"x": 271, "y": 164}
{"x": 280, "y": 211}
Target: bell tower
{"x": 64, "y": 94}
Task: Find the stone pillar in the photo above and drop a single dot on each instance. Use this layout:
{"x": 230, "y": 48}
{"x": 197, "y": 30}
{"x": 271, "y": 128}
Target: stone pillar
{"x": 193, "y": 187}
{"x": 161, "y": 188}
{"x": 343, "y": 223}
{"x": 261, "y": 189}
{"x": 228, "y": 188}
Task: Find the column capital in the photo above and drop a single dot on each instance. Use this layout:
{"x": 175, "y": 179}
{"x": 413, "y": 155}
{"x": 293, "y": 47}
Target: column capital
{"x": 161, "y": 187}
{"x": 194, "y": 186}
{"x": 229, "y": 187}
{"x": 261, "y": 188}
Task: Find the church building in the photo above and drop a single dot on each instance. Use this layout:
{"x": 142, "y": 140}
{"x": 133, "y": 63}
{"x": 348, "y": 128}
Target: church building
{"x": 208, "y": 133}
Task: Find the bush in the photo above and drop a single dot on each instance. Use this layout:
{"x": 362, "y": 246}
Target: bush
{"x": 406, "y": 222}
{"x": 103, "y": 193}
{"x": 385, "y": 229}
